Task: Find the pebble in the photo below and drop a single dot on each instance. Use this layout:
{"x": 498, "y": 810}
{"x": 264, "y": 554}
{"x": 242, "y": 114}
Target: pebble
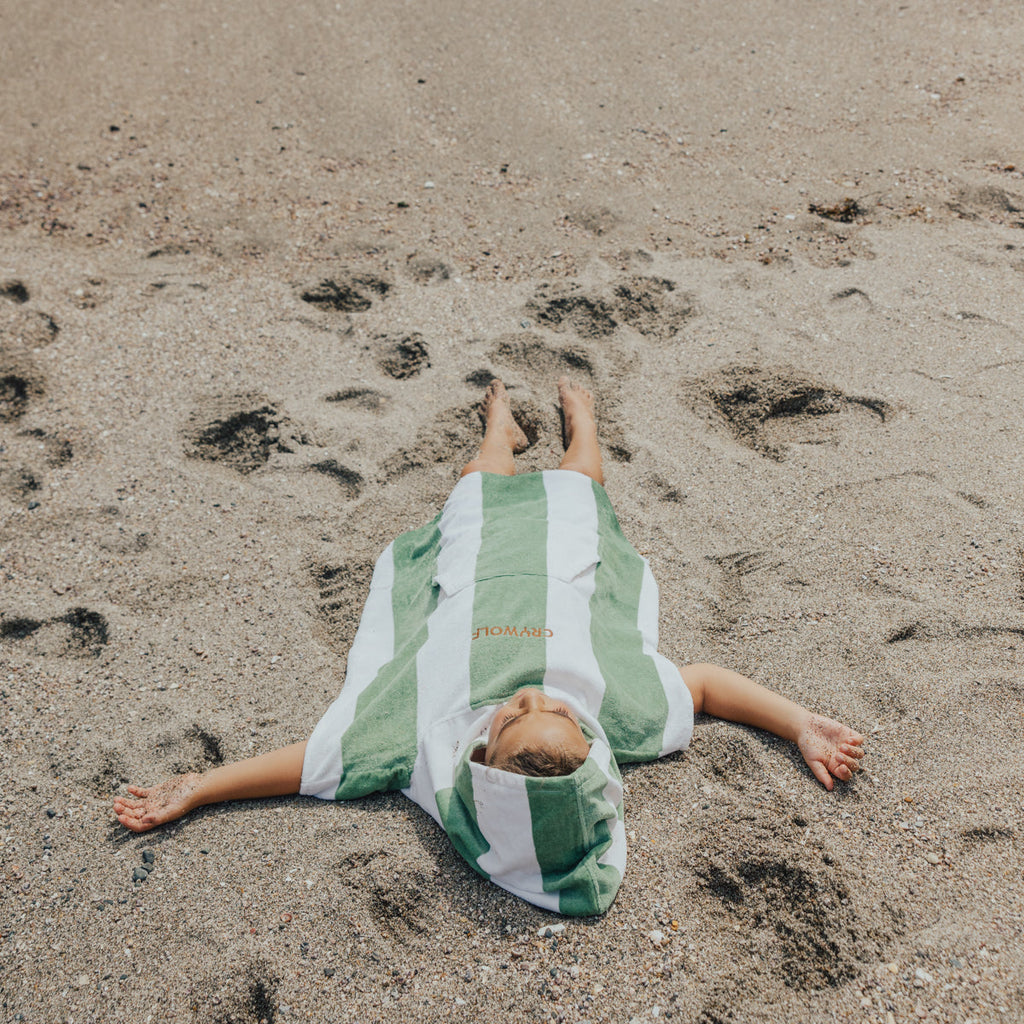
{"x": 51, "y": 813}
{"x": 148, "y": 856}
{"x": 83, "y": 980}
{"x": 922, "y": 975}
{"x": 549, "y": 931}
{"x": 657, "y": 936}
{"x": 933, "y": 858}
{"x": 140, "y": 874}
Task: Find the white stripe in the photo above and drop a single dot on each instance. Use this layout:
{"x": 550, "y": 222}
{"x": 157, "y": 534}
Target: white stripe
{"x": 503, "y": 817}
{"x": 442, "y": 663}
{"x": 615, "y": 855}
{"x": 461, "y": 523}
{"x": 679, "y": 721}
{"x": 571, "y": 668}
{"x": 372, "y": 648}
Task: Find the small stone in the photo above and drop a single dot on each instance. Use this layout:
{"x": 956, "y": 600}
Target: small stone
{"x": 51, "y": 813}
{"x": 657, "y": 936}
{"x": 468, "y": 976}
{"x": 549, "y": 931}
{"x": 328, "y": 972}
{"x": 428, "y": 184}
{"x": 148, "y": 856}
{"x": 204, "y": 850}
{"x": 922, "y": 975}
{"x": 140, "y": 875}
{"x": 33, "y": 505}
{"x": 83, "y": 980}
{"x": 933, "y": 858}
{"x": 893, "y": 968}
{"x": 286, "y": 917}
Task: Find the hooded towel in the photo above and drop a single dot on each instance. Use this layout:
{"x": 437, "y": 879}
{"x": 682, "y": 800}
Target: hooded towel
{"x": 519, "y": 581}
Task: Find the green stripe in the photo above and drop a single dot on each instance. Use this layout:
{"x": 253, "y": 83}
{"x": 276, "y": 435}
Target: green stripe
{"x": 634, "y": 701}
{"x": 378, "y": 750}
{"x": 568, "y": 841}
{"x": 510, "y": 595}
{"x": 459, "y": 817}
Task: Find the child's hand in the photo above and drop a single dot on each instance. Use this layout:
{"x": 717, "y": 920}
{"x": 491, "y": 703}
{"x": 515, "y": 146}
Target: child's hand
{"x": 158, "y": 804}
{"x": 830, "y": 748}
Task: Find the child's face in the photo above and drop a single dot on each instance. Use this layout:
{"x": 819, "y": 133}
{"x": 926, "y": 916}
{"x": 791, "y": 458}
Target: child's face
{"x": 533, "y": 720}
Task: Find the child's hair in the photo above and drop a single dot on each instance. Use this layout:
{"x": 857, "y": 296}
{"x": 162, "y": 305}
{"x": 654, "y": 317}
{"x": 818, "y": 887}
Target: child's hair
{"x": 541, "y": 762}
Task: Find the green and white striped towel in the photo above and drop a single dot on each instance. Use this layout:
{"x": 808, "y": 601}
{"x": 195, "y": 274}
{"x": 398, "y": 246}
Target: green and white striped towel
{"x": 520, "y": 581}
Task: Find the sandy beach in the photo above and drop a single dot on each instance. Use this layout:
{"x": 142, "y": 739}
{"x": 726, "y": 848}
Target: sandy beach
{"x": 257, "y": 264}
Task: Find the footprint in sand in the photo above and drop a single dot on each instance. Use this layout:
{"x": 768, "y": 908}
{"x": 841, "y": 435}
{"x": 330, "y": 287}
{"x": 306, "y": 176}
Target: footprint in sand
{"x": 79, "y": 632}
{"x": 197, "y": 749}
{"x": 346, "y": 293}
{"x": 341, "y": 589}
{"x": 20, "y": 385}
{"x": 13, "y": 291}
{"x": 240, "y": 431}
{"x": 798, "y": 904}
{"x": 567, "y": 308}
{"x": 366, "y": 399}
{"x": 650, "y": 305}
{"x": 27, "y": 455}
{"x": 426, "y": 270}
{"x": 249, "y": 997}
{"x": 402, "y": 356}
{"x": 768, "y": 409}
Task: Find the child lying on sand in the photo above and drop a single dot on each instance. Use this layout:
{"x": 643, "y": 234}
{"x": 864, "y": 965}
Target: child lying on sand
{"x": 505, "y": 662}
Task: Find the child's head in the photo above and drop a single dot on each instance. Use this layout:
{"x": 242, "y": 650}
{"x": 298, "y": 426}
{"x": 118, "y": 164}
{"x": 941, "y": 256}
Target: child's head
{"x": 534, "y": 734}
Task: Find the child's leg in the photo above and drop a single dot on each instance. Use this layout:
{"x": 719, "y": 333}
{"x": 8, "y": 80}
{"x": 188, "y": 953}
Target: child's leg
{"x": 278, "y": 773}
{"x": 582, "y": 453}
{"x": 502, "y": 435}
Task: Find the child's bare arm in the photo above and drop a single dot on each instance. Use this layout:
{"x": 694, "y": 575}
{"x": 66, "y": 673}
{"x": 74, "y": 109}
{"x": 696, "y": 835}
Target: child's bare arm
{"x": 829, "y": 748}
{"x": 278, "y": 773}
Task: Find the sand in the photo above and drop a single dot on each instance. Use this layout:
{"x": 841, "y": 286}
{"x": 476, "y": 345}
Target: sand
{"x": 258, "y": 262}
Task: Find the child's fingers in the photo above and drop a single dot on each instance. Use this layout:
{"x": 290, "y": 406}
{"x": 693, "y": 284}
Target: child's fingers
{"x": 821, "y": 774}
{"x": 853, "y": 749}
{"x": 138, "y": 791}
{"x": 129, "y": 821}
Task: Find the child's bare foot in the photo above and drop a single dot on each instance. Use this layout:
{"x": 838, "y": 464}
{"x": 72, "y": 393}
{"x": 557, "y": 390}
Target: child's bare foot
{"x": 496, "y": 412}
{"x": 577, "y": 408}
{"x": 156, "y": 805}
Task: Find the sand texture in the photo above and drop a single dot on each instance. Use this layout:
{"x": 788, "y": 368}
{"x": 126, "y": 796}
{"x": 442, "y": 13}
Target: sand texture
{"x": 257, "y": 263}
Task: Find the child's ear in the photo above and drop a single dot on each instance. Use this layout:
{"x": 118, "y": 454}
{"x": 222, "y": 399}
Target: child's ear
{"x": 478, "y": 755}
